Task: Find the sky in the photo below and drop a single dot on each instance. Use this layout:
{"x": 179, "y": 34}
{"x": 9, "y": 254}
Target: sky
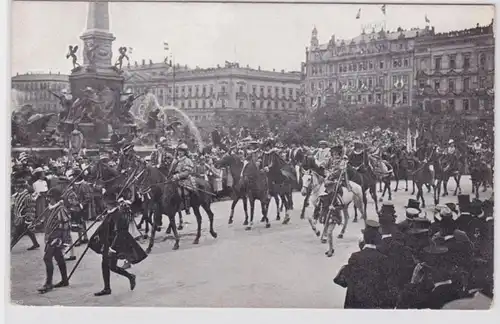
{"x": 272, "y": 36}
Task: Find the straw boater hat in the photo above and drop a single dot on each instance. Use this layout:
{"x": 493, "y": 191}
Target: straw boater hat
{"x": 37, "y": 170}
{"x": 323, "y": 142}
{"x": 451, "y": 141}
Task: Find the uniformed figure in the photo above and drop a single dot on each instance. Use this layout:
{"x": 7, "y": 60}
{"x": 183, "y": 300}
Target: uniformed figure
{"x": 57, "y": 235}
{"x": 183, "y": 169}
{"x": 23, "y": 212}
{"x": 411, "y": 214}
{"x": 392, "y": 245}
{"x": 322, "y": 157}
{"x": 113, "y": 241}
{"x": 365, "y": 275}
{"x": 76, "y": 198}
{"x": 358, "y": 158}
{"x": 127, "y": 160}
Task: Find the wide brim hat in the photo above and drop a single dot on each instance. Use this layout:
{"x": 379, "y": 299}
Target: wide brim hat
{"x": 182, "y": 147}
{"x": 323, "y": 142}
{"x": 37, "y": 170}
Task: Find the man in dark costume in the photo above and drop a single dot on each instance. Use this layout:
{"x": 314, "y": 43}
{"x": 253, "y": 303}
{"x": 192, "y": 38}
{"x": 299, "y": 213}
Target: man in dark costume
{"x": 113, "y": 241}
{"x": 23, "y": 212}
{"x": 57, "y": 235}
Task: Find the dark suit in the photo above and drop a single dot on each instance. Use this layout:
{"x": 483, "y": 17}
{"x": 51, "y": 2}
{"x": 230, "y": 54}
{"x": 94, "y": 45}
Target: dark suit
{"x": 365, "y": 276}
{"x": 400, "y": 266}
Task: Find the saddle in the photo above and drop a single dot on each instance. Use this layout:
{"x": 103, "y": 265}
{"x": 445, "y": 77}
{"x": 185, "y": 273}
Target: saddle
{"x": 380, "y": 167}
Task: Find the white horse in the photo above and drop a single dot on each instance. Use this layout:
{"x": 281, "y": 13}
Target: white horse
{"x": 313, "y": 182}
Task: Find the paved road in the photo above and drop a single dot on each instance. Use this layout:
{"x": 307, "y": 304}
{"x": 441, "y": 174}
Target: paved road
{"x": 283, "y": 266}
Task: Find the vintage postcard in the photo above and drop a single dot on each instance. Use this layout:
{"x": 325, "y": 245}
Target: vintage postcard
{"x": 252, "y": 155}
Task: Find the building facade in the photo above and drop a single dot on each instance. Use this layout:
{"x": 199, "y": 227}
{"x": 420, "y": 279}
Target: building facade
{"x": 33, "y": 89}
{"x": 455, "y": 71}
{"x": 201, "y": 93}
{"x": 416, "y": 67}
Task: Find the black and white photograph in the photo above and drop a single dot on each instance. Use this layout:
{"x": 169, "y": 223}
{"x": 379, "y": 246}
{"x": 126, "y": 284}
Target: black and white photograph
{"x": 251, "y": 155}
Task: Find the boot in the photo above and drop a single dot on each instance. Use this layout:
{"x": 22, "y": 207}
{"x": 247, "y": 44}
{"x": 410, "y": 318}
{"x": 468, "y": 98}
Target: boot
{"x": 45, "y": 288}
{"x": 105, "y": 291}
{"x": 64, "y": 276}
{"x": 33, "y": 247}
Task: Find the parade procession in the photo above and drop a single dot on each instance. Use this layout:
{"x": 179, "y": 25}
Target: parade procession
{"x": 388, "y": 206}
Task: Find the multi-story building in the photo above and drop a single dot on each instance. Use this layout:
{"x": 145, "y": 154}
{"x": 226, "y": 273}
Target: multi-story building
{"x": 418, "y": 67}
{"x": 201, "y": 93}
{"x": 372, "y": 68}
{"x": 455, "y": 71}
{"x": 33, "y": 89}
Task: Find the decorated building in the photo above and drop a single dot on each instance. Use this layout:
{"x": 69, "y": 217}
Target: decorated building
{"x": 204, "y": 93}
{"x": 455, "y": 71}
{"x": 33, "y": 89}
{"x": 375, "y": 67}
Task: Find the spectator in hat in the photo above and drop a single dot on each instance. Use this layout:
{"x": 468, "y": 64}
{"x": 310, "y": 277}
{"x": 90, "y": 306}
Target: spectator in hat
{"x": 417, "y": 236}
{"x": 400, "y": 260}
{"x": 365, "y": 275}
{"x": 411, "y": 214}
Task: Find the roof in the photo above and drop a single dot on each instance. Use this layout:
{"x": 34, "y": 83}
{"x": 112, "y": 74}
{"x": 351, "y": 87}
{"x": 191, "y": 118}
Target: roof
{"x": 29, "y": 77}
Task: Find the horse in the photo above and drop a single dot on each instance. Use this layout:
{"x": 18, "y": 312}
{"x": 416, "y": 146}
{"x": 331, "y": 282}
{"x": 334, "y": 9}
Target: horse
{"x": 313, "y": 184}
{"x": 383, "y": 175}
{"x": 424, "y": 174}
{"x": 281, "y": 177}
{"x": 400, "y": 166}
{"x": 480, "y": 173}
{"x": 451, "y": 167}
{"x": 235, "y": 165}
{"x": 366, "y": 178}
{"x": 256, "y": 186}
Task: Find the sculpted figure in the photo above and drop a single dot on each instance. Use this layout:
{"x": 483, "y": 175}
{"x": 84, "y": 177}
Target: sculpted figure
{"x": 72, "y": 53}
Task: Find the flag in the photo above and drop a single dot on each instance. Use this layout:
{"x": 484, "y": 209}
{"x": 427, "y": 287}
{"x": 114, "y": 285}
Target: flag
{"x": 409, "y": 145}
{"x": 427, "y": 19}
{"x": 130, "y": 49}
{"x": 383, "y": 9}
{"x": 358, "y": 15}
{"x": 165, "y": 46}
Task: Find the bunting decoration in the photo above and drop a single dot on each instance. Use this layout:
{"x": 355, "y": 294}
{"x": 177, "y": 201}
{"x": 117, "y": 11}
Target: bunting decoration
{"x": 383, "y": 9}
{"x": 358, "y": 15}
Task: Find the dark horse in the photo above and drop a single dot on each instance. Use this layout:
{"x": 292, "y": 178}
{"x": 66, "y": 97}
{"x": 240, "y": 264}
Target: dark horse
{"x": 237, "y": 192}
{"x": 365, "y": 177}
{"x": 169, "y": 198}
{"x": 480, "y": 173}
{"x": 401, "y": 166}
{"x": 281, "y": 179}
{"x": 424, "y": 174}
{"x": 256, "y": 186}
{"x": 451, "y": 166}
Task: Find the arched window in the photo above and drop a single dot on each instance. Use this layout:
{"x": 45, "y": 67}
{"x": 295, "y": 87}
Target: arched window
{"x": 482, "y": 61}
{"x": 189, "y": 103}
{"x": 196, "y": 104}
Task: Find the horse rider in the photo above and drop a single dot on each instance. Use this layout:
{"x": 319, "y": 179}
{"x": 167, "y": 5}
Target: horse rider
{"x": 358, "y": 158}
{"x": 160, "y": 158}
{"x": 127, "y": 160}
{"x": 323, "y": 157}
{"x": 183, "y": 168}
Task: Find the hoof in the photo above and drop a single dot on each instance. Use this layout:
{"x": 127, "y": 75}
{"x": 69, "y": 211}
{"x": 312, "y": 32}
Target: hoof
{"x": 268, "y": 225}
{"x": 355, "y": 220}
{"x": 230, "y": 221}
{"x": 329, "y": 253}
{"x": 168, "y": 231}
{"x": 263, "y": 219}
{"x": 148, "y": 250}
{"x": 395, "y": 190}
{"x": 214, "y": 234}
{"x": 406, "y": 189}
{"x": 176, "y": 246}
{"x": 145, "y": 236}
{"x": 196, "y": 241}
{"x": 278, "y": 218}
{"x": 245, "y": 223}
{"x": 286, "y": 221}
{"x": 390, "y": 198}
{"x": 180, "y": 227}
{"x": 248, "y": 228}
{"x": 323, "y": 241}
{"x": 340, "y": 236}
{"x": 302, "y": 217}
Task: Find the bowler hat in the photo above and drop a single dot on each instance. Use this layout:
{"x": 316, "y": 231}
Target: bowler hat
{"x": 419, "y": 225}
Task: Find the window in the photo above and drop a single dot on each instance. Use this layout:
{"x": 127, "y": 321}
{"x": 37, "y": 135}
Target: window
{"x": 437, "y": 64}
{"x": 466, "y": 62}
{"x": 261, "y": 105}
{"x": 182, "y": 105}
{"x": 355, "y": 67}
{"x": 466, "y": 84}
{"x": 482, "y": 82}
{"x": 465, "y": 104}
{"x": 269, "y": 105}
{"x": 190, "y": 90}
{"x": 370, "y": 82}
{"x": 405, "y": 98}
{"x": 381, "y": 65}
{"x": 320, "y": 85}
{"x": 196, "y": 104}
{"x": 453, "y": 62}
{"x": 283, "y": 105}
{"x": 312, "y": 86}
{"x": 275, "y": 105}
{"x": 223, "y": 103}
{"x": 451, "y": 105}
{"x": 183, "y": 89}
{"x": 261, "y": 90}
{"x": 196, "y": 90}
{"x": 241, "y": 88}
{"x": 421, "y": 84}
{"x": 396, "y": 63}
{"x": 360, "y": 83}
{"x": 276, "y": 91}
{"x": 189, "y": 103}
{"x": 359, "y": 98}
{"x": 254, "y": 89}
{"x": 370, "y": 98}
{"x": 203, "y": 104}
{"x": 394, "y": 98}
{"x": 451, "y": 85}
{"x": 223, "y": 89}
{"x": 370, "y": 65}
{"x": 269, "y": 90}
{"x": 211, "y": 90}
{"x": 290, "y": 93}
{"x": 253, "y": 104}
{"x": 379, "y": 97}
{"x": 290, "y": 105}
{"x": 406, "y": 62}
{"x": 482, "y": 61}
{"x": 381, "y": 82}
{"x": 176, "y": 90}
{"x": 437, "y": 85}
{"x": 204, "y": 90}
{"x": 241, "y": 104}
{"x": 211, "y": 104}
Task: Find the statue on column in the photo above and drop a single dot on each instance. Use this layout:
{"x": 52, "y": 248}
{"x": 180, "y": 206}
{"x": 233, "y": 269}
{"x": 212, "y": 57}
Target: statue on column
{"x": 123, "y": 55}
{"x": 72, "y": 53}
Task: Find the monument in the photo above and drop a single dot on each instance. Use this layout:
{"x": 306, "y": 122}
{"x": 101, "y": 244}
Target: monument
{"x": 98, "y": 103}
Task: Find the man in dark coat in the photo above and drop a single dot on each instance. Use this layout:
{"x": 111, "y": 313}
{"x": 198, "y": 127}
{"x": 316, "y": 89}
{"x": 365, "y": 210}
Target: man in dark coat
{"x": 114, "y": 242}
{"x": 400, "y": 259}
{"x": 366, "y": 273}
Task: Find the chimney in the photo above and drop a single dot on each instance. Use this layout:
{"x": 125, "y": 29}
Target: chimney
{"x": 274, "y": 70}
{"x": 150, "y": 62}
{"x": 282, "y": 71}
{"x": 135, "y": 63}
{"x": 143, "y": 62}
{"x": 259, "y": 67}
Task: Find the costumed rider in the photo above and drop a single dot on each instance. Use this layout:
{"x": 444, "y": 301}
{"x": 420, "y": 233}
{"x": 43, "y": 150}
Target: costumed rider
{"x": 127, "y": 160}
{"x": 322, "y": 158}
{"x": 358, "y": 158}
{"x": 57, "y": 236}
{"x": 160, "y": 158}
{"x": 113, "y": 241}
{"x": 182, "y": 173}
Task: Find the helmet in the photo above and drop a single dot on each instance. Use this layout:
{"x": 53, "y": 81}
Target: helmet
{"x": 182, "y": 147}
